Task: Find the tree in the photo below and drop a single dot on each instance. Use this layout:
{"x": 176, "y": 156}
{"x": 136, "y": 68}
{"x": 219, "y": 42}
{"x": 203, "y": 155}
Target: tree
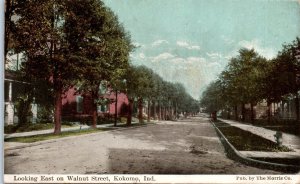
{"x": 10, "y": 7}
{"x": 211, "y": 97}
{"x": 41, "y": 40}
{"x": 118, "y": 85}
{"x": 101, "y": 42}
{"x": 65, "y": 40}
{"x": 289, "y": 66}
{"x": 241, "y": 78}
{"x": 139, "y": 87}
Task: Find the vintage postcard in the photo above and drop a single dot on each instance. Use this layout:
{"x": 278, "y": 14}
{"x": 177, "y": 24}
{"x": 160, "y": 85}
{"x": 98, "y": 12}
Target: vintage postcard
{"x": 151, "y": 91}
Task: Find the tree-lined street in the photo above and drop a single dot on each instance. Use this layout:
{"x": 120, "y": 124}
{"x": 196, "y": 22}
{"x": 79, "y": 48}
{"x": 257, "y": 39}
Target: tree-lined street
{"x": 191, "y": 146}
{"x": 109, "y": 87}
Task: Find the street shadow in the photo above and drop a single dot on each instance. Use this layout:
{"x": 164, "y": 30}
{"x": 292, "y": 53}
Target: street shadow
{"x": 137, "y": 161}
{"x": 176, "y": 137}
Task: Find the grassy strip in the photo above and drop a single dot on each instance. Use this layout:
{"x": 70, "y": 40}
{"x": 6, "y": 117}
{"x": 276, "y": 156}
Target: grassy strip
{"x": 286, "y": 129}
{"x": 246, "y": 141}
{"x": 42, "y": 137}
{"x": 287, "y": 126}
{"x": 30, "y": 127}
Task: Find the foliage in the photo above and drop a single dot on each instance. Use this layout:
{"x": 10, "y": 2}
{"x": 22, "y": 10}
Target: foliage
{"x": 245, "y": 141}
{"x": 250, "y": 78}
{"x": 101, "y": 43}
{"x": 212, "y": 97}
{"x": 143, "y": 83}
{"x": 67, "y": 43}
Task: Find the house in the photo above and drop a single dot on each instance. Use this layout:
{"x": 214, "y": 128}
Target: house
{"x": 13, "y": 90}
{"x": 73, "y": 104}
{"x": 76, "y": 105}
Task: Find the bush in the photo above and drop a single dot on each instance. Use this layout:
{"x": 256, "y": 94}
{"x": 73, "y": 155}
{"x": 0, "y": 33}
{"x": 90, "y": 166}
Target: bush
{"x": 44, "y": 115}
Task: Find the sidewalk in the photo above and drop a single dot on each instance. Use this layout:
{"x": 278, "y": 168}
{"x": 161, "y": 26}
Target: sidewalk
{"x": 289, "y": 140}
{"x": 17, "y": 145}
{"x": 49, "y": 131}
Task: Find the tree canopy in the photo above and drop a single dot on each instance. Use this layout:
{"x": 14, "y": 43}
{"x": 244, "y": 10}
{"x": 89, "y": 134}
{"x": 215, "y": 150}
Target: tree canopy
{"x": 250, "y": 78}
{"x": 70, "y": 43}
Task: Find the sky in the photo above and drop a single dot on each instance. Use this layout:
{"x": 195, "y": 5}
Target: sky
{"x": 191, "y": 41}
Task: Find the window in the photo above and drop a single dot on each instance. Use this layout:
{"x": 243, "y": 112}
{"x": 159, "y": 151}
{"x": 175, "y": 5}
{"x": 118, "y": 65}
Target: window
{"x": 102, "y": 108}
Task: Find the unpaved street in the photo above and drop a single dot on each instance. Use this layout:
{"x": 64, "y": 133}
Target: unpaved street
{"x": 183, "y": 147}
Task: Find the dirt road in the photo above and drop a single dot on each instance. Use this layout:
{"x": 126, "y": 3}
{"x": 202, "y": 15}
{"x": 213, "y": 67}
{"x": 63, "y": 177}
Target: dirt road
{"x": 189, "y": 146}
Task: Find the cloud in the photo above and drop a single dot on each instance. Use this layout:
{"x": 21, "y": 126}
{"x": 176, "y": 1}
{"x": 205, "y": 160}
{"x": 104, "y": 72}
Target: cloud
{"x": 138, "y": 45}
{"x": 194, "y": 72}
{"x": 194, "y": 47}
{"x": 142, "y": 56}
{"x": 214, "y": 55}
{"x": 159, "y": 42}
{"x": 186, "y": 45}
{"x": 255, "y": 44}
{"x": 177, "y": 60}
{"x": 162, "y": 57}
{"x": 195, "y": 60}
{"x": 182, "y": 44}
{"x": 227, "y": 40}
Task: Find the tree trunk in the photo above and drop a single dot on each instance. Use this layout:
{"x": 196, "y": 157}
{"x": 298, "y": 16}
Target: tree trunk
{"x": 154, "y": 110}
{"x": 166, "y": 113}
{"x": 57, "y": 111}
{"x": 130, "y": 108}
{"x": 297, "y": 106}
{"x": 214, "y": 116}
{"x": 175, "y": 110}
{"x": 236, "y": 113}
{"x": 116, "y": 109}
{"x": 163, "y": 113}
{"x": 159, "y": 113}
{"x": 95, "y": 110}
{"x": 228, "y": 113}
{"x": 252, "y": 113}
{"x": 140, "y": 107}
{"x": 8, "y": 13}
{"x": 172, "y": 113}
{"x": 269, "y": 111}
{"x": 95, "y": 116}
{"x": 282, "y": 108}
{"x": 243, "y": 112}
{"x": 148, "y": 118}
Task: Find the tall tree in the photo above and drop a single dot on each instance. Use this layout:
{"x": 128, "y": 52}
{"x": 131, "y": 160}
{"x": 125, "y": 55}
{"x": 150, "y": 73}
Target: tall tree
{"x": 41, "y": 39}
{"x": 289, "y": 63}
{"x": 64, "y": 41}
{"x": 100, "y": 41}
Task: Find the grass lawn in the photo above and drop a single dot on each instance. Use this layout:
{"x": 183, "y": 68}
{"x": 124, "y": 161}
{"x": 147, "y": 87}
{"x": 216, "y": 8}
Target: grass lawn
{"x": 246, "y": 141}
{"x": 35, "y": 138}
{"x": 31, "y": 127}
{"x": 286, "y": 126}
{"x": 295, "y": 130}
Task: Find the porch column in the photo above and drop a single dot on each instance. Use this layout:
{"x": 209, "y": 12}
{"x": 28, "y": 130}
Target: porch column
{"x": 34, "y": 111}
{"x": 10, "y": 107}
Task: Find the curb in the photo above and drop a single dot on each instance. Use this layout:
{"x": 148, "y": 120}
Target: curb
{"x": 70, "y": 137}
{"x": 236, "y": 155}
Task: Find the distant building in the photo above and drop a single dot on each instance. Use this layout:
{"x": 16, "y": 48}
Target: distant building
{"x": 80, "y": 105}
